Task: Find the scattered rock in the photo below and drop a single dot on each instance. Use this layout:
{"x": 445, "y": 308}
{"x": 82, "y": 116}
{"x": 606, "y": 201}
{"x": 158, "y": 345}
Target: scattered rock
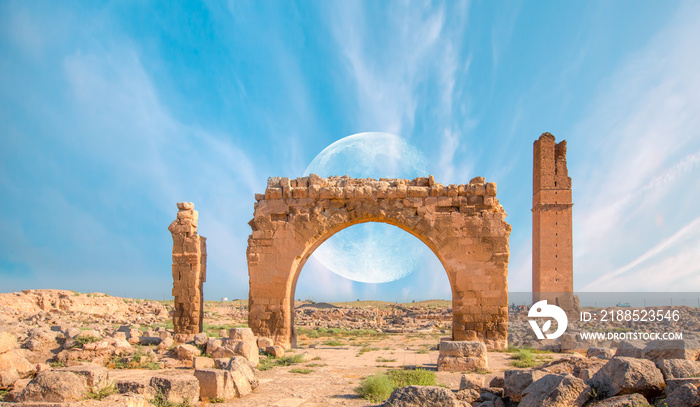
{"x": 673, "y": 384}
{"x": 678, "y": 368}
{"x": 186, "y": 352}
{"x": 419, "y": 396}
{"x": 201, "y": 338}
{"x": 136, "y": 385}
{"x": 601, "y": 353}
{"x": 54, "y": 385}
{"x": 684, "y": 396}
{"x": 199, "y": 362}
{"x": 8, "y": 341}
{"x": 177, "y": 387}
{"x": 497, "y": 381}
{"x": 468, "y": 395}
{"x": 215, "y": 383}
{"x": 627, "y": 400}
{"x": 470, "y": 381}
{"x": 556, "y": 390}
{"x": 626, "y": 375}
{"x": 676, "y": 349}
{"x": 516, "y": 381}
{"x": 95, "y": 376}
{"x": 275, "y": 351}
{"x": 462, "y": 356}
{"x": 632, "y": 349}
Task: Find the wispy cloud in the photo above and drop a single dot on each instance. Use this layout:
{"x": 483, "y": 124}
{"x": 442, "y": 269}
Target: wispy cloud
{"x": 637, "y": 139}
{"x": 662, "y": 264}
{"x": 387, "y": 61}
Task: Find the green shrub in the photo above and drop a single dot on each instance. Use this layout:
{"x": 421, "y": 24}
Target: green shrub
{"x": 333, "y": 342}
{"x": 378, "y": 387}
{"x": 417, "y": 377}
{"x": 101, "y": 394}
{"x": 161, "y": 401}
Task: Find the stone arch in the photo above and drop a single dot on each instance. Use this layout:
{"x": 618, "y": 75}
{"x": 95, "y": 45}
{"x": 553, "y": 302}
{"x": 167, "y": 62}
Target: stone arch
{"x": 462, "y": 224}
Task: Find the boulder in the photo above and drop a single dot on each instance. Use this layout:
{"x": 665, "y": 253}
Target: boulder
{"x": 199, "y": 362}
{"x": 684, "y": 396}
{"x": 54, "y": 385}
{"x": 95, "y": 376}
{"x": 673, "y": 384}
{"x": 516, "y": 381}
{"x": 126, "y": 400}
{"x": 242, "y": 334}
{"x": 632, "y": 349}
{"x": 468, "y": 395}
{"x": 419, "y": 396}
{"x": 8, "y": 377}
{"x": 556, "y": 390}
{"x": 249, "y": 350}
{"x": 215, "y": 383}
{"x": 458, "y": 356}
{"x": 676, "y": 349}
{"x": 241, "y": 365}
{"x": 264, "y": 342}
{"x": 625, "y": 375}
{"x": 166, "y": 343}
{"x": 241, "y": 384}
{"x": 600, "y": 353}
{"x": 497, "y": 381}
{"x": 213, "y": 344}
{"x": 136, "y": 385}
{"x": 678, "y": 368}
{"x": 223, "y": 352}
{"x": 627, "y": 400}
{"x": 150, "y": 340}
{"x": 275, "y": 351}
{"x": 186, "y": 352}
{"x": 15, "y": 360}
{"x": 471, "y": 381}
{"x": 8, "y": 341}
{"x": 578, "y": 366}
{"x": 201, "y": 338}
{"x": 177, "y": 387}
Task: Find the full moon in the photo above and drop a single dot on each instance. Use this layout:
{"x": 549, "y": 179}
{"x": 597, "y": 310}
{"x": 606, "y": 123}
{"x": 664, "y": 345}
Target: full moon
{"x": 370, "y": 252}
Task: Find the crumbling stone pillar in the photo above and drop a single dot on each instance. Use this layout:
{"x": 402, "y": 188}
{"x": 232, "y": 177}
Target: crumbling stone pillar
{"x": 552, "y": 237}
{"x": 189, "y": 271}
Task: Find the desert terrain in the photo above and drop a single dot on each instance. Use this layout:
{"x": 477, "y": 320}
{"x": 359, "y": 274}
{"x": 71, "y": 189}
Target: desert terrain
{"x": 124, "y": 352}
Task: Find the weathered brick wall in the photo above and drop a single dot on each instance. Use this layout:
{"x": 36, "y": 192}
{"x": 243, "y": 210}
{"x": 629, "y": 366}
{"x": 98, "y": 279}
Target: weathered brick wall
{"x": 189, "y": 271}
{"x": 462, "y": 224}
{"x": 552, "y": 242}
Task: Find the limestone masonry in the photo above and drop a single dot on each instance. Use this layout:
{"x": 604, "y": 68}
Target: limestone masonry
{"x": 189, "y": 271}
{"x": 464, "y": 225}
{"x": 552, "y": 242}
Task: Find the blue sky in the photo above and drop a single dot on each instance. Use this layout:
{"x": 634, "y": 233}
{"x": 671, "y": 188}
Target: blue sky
{"x": 111, "y": 112}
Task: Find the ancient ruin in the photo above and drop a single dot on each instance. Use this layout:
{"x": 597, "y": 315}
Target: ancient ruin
{"x": 189, "y": 271}
{"x": 462, "y": 224}
{"x": 552, "y": 242}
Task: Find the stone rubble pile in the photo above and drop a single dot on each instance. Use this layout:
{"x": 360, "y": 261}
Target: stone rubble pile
{"x": 664, "y": 373}
{"x": 66, "y": 365}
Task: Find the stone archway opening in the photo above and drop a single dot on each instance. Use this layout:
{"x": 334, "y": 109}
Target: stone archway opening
{"x": 373, "y": 261}
{"x": 464, "y": 225}
{"x": 302, "y": 270}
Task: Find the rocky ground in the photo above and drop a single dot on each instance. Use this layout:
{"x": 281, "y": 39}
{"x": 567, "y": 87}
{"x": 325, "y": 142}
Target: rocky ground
{"x": 61, "y": 348}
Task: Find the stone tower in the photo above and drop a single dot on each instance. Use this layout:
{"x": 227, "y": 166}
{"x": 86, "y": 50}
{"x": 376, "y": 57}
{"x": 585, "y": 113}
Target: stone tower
{"x": 552, "y": 242}
{"x": 189, "y": 271}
